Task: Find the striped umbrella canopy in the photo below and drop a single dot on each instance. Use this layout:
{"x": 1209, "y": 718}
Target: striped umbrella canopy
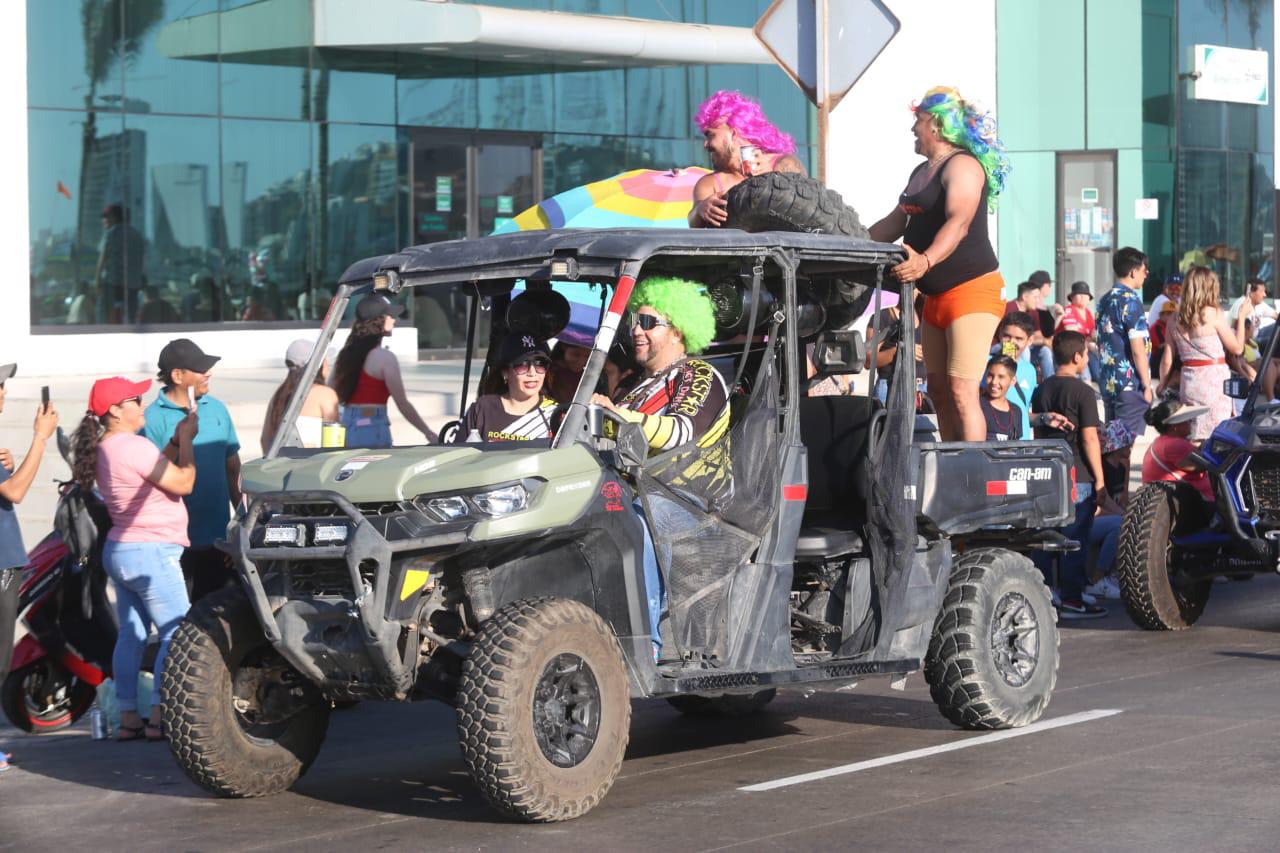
{"x": 639, "y": 198}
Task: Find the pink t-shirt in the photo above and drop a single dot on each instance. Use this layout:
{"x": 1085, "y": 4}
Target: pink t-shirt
{"x": 140, "y": 510}
{"x": 1161, "y": 463}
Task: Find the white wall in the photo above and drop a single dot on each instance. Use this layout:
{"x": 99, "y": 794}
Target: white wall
{"x": 940, "y": 43}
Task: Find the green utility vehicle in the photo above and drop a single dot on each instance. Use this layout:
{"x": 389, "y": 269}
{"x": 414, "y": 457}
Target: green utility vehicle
{"x": 817, "y": 544}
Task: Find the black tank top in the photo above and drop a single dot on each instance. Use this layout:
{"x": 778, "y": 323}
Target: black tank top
{"x": 927, "y": 211}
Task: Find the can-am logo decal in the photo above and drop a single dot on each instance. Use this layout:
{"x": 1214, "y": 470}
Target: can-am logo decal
{"x": 1017, "y": 482}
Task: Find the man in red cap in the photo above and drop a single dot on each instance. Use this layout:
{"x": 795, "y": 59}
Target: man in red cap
{"x": 14, "y": 485}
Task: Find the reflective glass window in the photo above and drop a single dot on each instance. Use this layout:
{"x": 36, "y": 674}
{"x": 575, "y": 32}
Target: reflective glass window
{"x": 664, "y": 153}
{"x": 658, "y": 102}
{"x": 590, "y": 101}
{"x": 359, "y": 200}
{"x": 266, "y": 186}
{"x": 77, "y": 164}
{"x": 433, "y": 92}
{"x": 266, "y": 55}
{"x": 178, "y": 218}
{"x": 516, "y": 102}
{"x": 355, "y": 87}
{"x": 570, "y": 160}
{"x": 74, "y": 53}
{"x": 173, "y": 61}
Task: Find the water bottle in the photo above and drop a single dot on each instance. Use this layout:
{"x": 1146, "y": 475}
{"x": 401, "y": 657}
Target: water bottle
{"x": 97, "y": 723}
{"x": 474, "y": 437}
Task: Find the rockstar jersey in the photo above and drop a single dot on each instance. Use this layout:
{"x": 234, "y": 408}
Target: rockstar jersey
{"x": 488, "y": 417}
{"x": 687, "y": 402}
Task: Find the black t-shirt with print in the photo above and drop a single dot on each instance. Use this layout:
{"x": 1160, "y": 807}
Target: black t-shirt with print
{"x": 1074, "y": 400}
{"x": 490, "y": 419}
{"x": 1002, "y": 426}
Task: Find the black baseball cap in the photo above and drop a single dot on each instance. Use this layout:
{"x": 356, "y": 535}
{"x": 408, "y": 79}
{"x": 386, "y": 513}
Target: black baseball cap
{"x": 377, "y": 305}
{"x": 183, "y": 354}
{"x": 1081, "y": 287}
{"x": 1040, "y": 277}
{"x": 519, "y": 348}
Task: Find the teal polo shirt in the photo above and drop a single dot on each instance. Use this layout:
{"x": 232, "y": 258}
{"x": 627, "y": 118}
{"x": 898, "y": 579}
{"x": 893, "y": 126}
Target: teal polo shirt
{"x": 208, "y": 505}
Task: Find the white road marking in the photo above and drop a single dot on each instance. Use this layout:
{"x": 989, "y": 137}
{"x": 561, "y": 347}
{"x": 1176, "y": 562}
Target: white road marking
{"x": 1042, "y": 726}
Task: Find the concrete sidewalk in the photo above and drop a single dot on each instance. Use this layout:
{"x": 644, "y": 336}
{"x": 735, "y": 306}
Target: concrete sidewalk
{"x": 434, "y": 389}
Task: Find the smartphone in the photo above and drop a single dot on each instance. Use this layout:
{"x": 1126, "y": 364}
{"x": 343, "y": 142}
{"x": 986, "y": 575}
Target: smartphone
{"x": 191, "y": 398}
{"x": 44, "y": 398}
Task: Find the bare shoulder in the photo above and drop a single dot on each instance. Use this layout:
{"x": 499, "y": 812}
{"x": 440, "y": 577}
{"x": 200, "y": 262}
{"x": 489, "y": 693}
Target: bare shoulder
{"x": 706, "y": 186}
{"x": 789, "y": 163}
{"x": 379, "y": 361}
{"x": 963, "y": 169}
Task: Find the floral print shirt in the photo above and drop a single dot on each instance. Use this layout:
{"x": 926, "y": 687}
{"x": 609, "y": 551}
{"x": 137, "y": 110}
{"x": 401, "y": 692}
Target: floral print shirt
{"x": 1122, "y": 324}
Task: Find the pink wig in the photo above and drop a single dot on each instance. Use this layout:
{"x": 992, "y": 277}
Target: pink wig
{"x": 745, "y": 117}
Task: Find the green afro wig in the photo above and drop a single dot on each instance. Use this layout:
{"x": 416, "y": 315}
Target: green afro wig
{"x": 684, "y": 303}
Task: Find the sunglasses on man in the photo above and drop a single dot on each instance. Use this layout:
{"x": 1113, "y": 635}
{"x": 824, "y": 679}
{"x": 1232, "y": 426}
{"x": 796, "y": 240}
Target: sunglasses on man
{"x": 647, "y": 322}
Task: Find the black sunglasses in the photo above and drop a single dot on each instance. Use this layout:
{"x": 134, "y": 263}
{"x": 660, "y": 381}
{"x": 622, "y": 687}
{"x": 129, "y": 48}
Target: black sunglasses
{"x": 647, "y": 322}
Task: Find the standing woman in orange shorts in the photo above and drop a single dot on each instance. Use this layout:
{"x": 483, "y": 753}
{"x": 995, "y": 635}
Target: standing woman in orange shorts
{"x": 941, "y": 218}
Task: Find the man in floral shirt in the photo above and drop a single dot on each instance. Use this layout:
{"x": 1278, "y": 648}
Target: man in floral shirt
{"x": 1124, "y": 345}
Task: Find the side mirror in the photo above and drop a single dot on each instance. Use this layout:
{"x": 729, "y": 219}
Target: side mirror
{"x": 628, "y": 437}
{"x": 1237, "y": 387}
{"x": 838, "y": 352}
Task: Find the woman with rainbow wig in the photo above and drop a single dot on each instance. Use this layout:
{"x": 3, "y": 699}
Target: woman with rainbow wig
{"x": 730, "y": 122}
{"x": 941, "y": 219}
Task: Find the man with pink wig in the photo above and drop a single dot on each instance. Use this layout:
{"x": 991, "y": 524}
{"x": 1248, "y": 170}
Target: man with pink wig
{"x": 730, "y": 122}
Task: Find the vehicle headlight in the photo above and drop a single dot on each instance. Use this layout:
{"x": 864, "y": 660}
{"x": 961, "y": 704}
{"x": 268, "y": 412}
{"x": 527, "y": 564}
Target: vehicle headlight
{"x": 1220, "y": 448}
{"x": 284, "y": 534}
{"x": 449, "y": 508}
{"x": 324, "y": 534}
{"x": 502, "y": 501}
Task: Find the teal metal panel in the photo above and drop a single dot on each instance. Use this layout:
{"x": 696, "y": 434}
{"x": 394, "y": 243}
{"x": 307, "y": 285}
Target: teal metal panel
{"x": 1027, "y": 217}
{"x": 1040, "y": 74}
{"x": 1113, "y": 74}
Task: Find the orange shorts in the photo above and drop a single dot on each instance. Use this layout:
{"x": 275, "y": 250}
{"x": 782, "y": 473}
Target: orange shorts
{"x": 984, "y": 294}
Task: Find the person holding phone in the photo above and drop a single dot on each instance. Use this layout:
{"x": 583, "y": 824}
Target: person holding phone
{"x": 143, "y": 491}
{"x": 184, "y": 376}
{"x": 15, "y": 483}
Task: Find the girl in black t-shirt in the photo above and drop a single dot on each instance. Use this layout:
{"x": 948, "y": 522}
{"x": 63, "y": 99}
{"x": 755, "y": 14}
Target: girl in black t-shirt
{"x": 1004, "y": 419}
{"x": 522, "y": 412}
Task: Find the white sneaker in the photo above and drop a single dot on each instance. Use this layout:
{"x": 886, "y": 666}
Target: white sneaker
{"x": 1053, "y": 595}
{"x": 1088, "y": 597}
{"x": 1105, "y": 588}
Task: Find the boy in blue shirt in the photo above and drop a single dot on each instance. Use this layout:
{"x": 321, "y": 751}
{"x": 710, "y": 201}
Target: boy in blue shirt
{"x": 1015, "y": 333}
{"x": 183, "y": 366}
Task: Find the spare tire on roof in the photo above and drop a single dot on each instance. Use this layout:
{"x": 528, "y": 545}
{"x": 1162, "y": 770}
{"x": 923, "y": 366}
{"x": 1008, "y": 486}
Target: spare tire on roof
{"x": 789, "y": 201}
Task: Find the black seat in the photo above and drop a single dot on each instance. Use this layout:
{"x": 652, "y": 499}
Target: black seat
{"x": 836, "y": 432}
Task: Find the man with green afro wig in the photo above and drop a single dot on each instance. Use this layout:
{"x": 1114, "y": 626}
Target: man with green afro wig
{"x": 680, "y": 399}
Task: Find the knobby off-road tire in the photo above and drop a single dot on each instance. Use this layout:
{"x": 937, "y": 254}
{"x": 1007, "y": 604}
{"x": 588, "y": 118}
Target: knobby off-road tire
{"x": 993, "y": 658}
{"x": 724, "y": 705}
{"x": 210, "y": 739}
{"x": 1151, "y": 598}
{"x": 787, "y": 201}
{"x": 544, "y": 709}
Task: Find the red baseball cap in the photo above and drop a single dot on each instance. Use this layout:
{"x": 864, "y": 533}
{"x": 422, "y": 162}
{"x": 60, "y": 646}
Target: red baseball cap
{"x": 110, "y": 392}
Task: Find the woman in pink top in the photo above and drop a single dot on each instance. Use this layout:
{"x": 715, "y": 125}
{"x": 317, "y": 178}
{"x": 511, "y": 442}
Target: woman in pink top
{"x": 1168, "y": 458}
{"x": 143, "y": 493}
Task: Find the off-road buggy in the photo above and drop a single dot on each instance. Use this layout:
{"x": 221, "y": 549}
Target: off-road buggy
{"x": 813, "y": 546}
{"x": 1173, "y": 543}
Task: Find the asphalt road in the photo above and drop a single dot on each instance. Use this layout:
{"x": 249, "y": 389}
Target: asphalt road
{"x": 1187, "y": 762}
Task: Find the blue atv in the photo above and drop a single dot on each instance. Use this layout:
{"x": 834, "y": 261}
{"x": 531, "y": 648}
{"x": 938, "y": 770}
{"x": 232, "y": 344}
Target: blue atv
{"x": 1173, "y": 542}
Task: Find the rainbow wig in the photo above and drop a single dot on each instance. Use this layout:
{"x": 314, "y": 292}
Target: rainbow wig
{"x": 684, "y": 303}
{"x": 961, "y": 123}
{"x": 745, "y": 117}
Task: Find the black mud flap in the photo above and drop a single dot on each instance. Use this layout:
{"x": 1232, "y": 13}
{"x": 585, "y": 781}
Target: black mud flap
{"x": 965, "y": 486}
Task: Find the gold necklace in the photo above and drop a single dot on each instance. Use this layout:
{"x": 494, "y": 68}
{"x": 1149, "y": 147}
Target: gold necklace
{"x": 934, "y": 161}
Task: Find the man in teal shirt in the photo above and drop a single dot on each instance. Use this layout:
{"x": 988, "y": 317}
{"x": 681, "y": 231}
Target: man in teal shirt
{"x": 183, "y": 366}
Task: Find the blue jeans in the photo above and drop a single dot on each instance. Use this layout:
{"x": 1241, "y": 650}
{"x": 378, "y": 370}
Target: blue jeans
{"x": 655, "y": 592}
{"x": 1105, "y": 536}
{"x": 367, "y": 430}
{"x": 149, "y": 590}
{"x": 1042, "y": 358}
{"x": 1071, "y": 566}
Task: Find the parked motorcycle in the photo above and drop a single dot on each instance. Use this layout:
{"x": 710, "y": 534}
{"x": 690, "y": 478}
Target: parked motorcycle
{"x": 71, "y": 628}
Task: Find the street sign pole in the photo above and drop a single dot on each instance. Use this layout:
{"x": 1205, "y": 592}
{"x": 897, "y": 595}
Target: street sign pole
{"x": 823, "y": 88}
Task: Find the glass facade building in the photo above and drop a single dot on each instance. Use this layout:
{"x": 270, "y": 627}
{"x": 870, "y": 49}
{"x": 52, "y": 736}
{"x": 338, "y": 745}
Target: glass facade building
{"x": 1095, "y": 108}
{"x": 198, "y": 162}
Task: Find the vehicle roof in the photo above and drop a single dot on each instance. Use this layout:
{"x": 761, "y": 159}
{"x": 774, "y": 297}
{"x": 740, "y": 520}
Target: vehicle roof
{"x": 601, "y": 251}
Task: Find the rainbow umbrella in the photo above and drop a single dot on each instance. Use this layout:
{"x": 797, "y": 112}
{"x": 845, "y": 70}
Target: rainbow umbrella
{"x": 639, "y": 198}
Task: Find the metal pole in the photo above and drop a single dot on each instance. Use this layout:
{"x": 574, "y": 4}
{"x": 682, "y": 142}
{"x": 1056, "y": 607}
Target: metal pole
{"x": 823, "y": 87}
